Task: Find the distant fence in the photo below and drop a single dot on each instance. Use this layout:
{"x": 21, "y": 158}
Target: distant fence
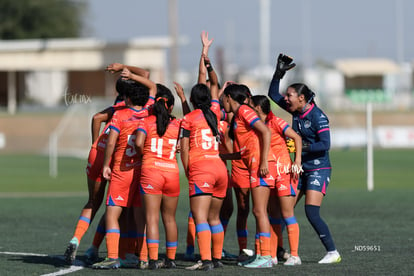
{"x": 383, "y": 136}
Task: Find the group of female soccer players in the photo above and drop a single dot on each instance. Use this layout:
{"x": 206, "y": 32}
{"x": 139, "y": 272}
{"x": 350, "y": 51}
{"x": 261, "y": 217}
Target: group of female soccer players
{"x": 137, "y": 153}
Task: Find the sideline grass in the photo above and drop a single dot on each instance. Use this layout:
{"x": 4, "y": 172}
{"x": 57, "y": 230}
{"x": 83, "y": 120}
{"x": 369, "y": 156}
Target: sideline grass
{"x": 357, "y": 218}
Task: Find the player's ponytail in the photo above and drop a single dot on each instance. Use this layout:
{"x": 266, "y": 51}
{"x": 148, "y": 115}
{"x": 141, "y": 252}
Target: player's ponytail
{"x": 161, "y": 109}
{"x": 201, "y": 99}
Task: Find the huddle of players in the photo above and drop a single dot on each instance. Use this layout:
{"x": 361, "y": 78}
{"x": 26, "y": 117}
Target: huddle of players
{"x": 136, "y": 153}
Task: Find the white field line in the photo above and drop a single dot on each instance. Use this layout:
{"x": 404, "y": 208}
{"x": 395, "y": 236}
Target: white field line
{"x": 42, "y": 194}
{"x": 79, "y": 265}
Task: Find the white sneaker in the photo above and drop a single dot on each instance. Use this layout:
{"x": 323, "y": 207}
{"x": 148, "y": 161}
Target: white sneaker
{"x": 331, "y": 258}
{"x": 261, "y": 262}
{"x": 293, "y": 260}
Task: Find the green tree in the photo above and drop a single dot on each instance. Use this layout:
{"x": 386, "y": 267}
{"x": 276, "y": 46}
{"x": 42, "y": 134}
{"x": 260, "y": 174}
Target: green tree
{"x": 24, "y": 19}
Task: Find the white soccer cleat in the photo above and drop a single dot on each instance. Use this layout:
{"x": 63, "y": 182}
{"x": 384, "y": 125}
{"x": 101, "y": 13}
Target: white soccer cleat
{"x": 331, "y": 258}
{"x": 293, "y": 260}
{"x": 261, "y": 262}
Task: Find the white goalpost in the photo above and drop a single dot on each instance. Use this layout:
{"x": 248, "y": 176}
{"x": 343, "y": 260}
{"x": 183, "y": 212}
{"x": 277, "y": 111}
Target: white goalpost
{"x": 72, "y": 136}
{"x": 370, "y": 148}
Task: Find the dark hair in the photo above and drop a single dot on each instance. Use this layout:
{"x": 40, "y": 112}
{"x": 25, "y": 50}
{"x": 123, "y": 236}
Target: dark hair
{"x": 201, "y": 99}
{"x": 303, "y": 89}
{"x": 122, "y": 85}
{"x": 164, "y": 99}
{"x": 263, "y": 102}
{"x": 137, "y": 93}
{"x": 239, "y": 93}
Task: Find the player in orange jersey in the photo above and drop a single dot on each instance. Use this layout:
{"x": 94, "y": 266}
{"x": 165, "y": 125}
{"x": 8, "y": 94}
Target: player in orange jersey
{"x": 204, "y": 169}
{"x": 283, "y": 196}
{"x": 125, "y": 172}
{"x": 253, "y": 138}
{"x": 157, "y": 138}
{"x": 96, "y": 183}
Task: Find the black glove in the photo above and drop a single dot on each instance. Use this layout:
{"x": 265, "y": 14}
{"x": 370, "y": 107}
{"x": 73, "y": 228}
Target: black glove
{"x": 284, "y": 63}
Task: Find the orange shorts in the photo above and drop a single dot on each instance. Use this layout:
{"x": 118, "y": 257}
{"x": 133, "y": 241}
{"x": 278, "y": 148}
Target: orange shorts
{"x": 208, "y": 177}
{"x": 123, "y": 189}
{"x": 257, "y": 180}
{"x": 95, "y": 164}
{"x": 240, "y": 177}
{"x": 285, "y": 185}
{"x": 155, "y": 182}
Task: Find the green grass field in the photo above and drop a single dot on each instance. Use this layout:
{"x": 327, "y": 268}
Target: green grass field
{"x": 38, "y": 216}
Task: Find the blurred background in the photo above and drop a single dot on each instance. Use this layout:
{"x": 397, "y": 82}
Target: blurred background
{"x": 351, "y": 53}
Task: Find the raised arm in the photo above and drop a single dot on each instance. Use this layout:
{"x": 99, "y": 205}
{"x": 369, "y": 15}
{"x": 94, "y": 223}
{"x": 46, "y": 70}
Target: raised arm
{"x": 202, "y": 71}
{"x": 180, "y": 93}
{"x": 212, "y": 76}
{"x": 152, "y": 86}
{"x": 118, "y": 67}
{"x": 284, "y": 63}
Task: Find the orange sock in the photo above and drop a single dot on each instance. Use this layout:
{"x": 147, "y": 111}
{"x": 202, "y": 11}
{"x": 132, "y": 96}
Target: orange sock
{"x": 191, "y": 231}
{"x": 242, "y": 239}
{"x": 112, "y": 243}
{"x": 99, "y": 236}
{"x": 141, "y": 248}
{"x": 204, "y": 240}
{"x": 153, "y": 246}
{"x": 171, "y": 249}
{"x": 264, "y": 244}
{"x": 217, "y": 238}
{"x": 293, "y": 234}
{"x": 81, "y": 227}
{"x": 257, "y": 244}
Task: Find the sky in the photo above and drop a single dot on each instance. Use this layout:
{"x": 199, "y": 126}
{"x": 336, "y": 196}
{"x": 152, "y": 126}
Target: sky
{"x": 311, "y": 31}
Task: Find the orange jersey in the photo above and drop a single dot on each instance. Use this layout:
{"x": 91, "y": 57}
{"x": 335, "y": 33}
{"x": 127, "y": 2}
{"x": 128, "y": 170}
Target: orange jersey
{"x": 159, "y": 152}
{"x": 100, "y": 143}
{"x": 125, "y": 122}
{"x": 245, "y": 135}
{"x": 203, "y": 145}
{"x": 278, "y": 127}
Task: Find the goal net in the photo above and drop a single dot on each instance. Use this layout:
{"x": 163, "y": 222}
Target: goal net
{"x": 72, "y": 136}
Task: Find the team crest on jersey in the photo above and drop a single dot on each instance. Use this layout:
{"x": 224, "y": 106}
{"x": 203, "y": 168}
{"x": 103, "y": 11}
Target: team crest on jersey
{"x": 307, "y": 124}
